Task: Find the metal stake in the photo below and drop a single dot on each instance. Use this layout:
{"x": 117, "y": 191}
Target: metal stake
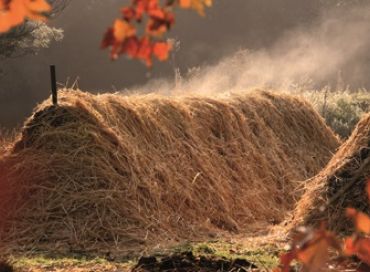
{"x": 54, "y": 90}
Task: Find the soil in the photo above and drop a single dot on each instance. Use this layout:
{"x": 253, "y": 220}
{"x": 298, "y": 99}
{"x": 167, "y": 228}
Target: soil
{"x": 186, "y": 262}
{"x": 5, "y": 267}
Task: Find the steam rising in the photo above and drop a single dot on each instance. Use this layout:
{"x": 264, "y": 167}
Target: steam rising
{"x": 288, "y": 44}
{"x": 332, "y": 51}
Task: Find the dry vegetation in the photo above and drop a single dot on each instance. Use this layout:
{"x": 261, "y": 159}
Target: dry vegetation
{"x": 340, "y": 184}
{"x": 7, "y": 139}
{"x": 113, "y": 174}
{"x": 110, "y": 172}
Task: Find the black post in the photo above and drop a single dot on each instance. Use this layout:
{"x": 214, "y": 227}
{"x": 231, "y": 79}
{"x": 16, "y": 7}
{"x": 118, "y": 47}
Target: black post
{"x": 54, "y": 91}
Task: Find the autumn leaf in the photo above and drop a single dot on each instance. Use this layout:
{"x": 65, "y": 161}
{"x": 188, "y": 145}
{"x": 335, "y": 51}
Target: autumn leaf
{"x": 14, "y": 12}
{"x": 145, "y": 51}
{"x": 198, "y": 5}
{"x": 131, "y": 47}
{"x": 315, "y": 255}
{"x": 5, "y": 24}
{"x": 157, "y": 18}
{"x": 286, "y": 259}
{"x": 361, "y": 220}
{"x": 161, "y": 50}
{"x": 160, "y": 21}
{"x": 311, "y": 249}
{"x": 185, "y": 3}
{"x": 128, "y": 13}
{"x": 156, "y": 28}
{"x": 123, "y": 30}
{"x": 37, "y": 6}
{"x": 116, "y": 37}
{"x": 358, "y": 246}
{"x": 157, "y": 13}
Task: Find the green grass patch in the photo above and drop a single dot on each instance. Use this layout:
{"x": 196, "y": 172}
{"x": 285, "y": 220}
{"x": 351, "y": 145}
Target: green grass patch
{"x": 23, "y": 263}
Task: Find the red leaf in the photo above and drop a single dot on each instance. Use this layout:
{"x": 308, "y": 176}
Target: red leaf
{"x": 131, "y": 47}
{"x": 157, "y": 13}
{"x": 128, "y": 13}
{"x": 359, "y": 247}
{"x": 286, "y": 259}
{"x": 311, "y": 249}
{"x": 361, "y": 220}
{"x": 145, "y": 51}
{"x": 108, "y": 38}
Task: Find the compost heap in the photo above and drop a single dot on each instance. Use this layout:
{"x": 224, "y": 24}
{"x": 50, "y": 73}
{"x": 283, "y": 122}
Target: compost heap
{"x": 340, "y": 185}
{"x": 119, "y": 172}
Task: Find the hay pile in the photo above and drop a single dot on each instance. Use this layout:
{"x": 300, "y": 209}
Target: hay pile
{"x": 341, "y": 184}
{"x": 114, "y": 172}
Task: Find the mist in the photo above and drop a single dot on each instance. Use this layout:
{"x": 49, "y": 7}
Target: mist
{"x": 334, "y": 51}
{"x": 240, "y": 44}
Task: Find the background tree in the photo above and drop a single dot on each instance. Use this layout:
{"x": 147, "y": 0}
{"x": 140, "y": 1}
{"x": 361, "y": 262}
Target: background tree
{"x": 31, "y": 36}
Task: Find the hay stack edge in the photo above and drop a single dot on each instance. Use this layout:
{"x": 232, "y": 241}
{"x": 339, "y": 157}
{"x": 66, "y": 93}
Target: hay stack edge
{"x": 104, "y": 172}
{"x": 341, "y": 184}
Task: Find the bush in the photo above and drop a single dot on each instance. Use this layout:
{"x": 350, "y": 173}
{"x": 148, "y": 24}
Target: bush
{"x": 342, "y": 110}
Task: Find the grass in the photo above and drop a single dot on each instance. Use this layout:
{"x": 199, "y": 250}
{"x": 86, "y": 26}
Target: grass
{"x": 265, "y": 258}
{"x": 7, "y": 136}
{"x": 65, "y": 263}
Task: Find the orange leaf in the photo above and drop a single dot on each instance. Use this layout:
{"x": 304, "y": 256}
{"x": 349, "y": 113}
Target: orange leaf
{"x": 14, "y": 13}
{"x": 161, "y": 50}
{"x": 5, "y": 22}
{"x": 157, "y": 13}
{"x": 17, "y": 12}
{"x": 359, "y": 247}
{"x": 349, "y": 247}
{"x": 32, "y": 9}
{"x": 361, "y": 220}
{"x": 311, "y": 249}
{"x": 121, "y": 38}
{"x": 185, "y": 3}
{"x": 314, "y": 256}
{"x": 156, "y": 28}
{"x": 123, "y": 30}
{"x": 145, "y": 51}
{"x": 131, "y": 47}
{"x": 128, "y": 13}
{"x": 38, "y": 5}
{"x": 286, "y": 259}
{"x": 36, "y": 8}
{"x": 198, "y": 5}
{"x": 160, "y": 22}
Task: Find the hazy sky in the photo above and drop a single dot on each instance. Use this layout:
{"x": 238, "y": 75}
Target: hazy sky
{"x": 260, "y": 26}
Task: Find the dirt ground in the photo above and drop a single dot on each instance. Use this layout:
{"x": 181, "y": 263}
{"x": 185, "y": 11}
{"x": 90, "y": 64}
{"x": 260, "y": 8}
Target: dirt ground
{"x": 186, "y": 262}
